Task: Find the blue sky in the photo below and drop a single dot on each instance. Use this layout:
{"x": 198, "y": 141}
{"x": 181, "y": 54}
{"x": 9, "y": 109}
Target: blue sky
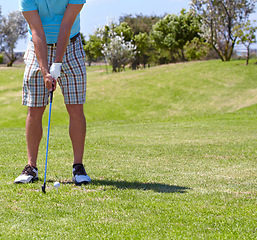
{"x": 96, "y": 12}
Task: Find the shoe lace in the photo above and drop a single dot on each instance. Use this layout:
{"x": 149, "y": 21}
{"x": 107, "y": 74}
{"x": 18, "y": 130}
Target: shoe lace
{"x": 28, "y": 170}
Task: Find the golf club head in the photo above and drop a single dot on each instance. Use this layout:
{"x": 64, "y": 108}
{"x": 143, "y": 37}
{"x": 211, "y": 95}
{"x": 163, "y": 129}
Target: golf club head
{"x": 44, "y": 188}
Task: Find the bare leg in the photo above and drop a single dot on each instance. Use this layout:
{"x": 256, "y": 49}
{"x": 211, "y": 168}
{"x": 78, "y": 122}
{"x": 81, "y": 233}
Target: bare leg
{"x": 34, "y": 133}
{"x": 77, "y": 130}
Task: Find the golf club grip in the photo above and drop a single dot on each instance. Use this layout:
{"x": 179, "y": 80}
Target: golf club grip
{"x": 51, "y": 96}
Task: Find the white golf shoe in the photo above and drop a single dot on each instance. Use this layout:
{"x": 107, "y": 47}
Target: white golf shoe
{"x": 29, "y": 174}
{"x": 79, "y": 175}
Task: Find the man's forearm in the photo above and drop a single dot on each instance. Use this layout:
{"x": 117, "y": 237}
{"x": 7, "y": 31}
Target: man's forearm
{"x": 40, "y": 45}
{"x": 62, "y": 43}
{"x": 69, "y": 17}
{"x": 39, "y": 41}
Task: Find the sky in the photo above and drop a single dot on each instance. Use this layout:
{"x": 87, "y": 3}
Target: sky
{"x": 96, "y": 13}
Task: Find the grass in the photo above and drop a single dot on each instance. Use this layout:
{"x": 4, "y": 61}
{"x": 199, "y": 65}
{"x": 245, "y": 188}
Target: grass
{"x": 171, "y": 151}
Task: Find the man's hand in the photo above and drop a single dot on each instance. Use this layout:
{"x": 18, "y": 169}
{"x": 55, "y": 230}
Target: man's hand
{"x": 55, "y": 70}
{"x": 50, "y": 82}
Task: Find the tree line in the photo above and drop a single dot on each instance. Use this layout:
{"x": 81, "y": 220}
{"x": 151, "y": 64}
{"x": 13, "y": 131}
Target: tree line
{"x": 209, "y": 28}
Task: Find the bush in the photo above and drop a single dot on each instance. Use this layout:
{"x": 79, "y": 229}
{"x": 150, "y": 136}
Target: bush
{"x": 1, "y": 58}
{"x": 160, "y": 57}
{"x": 196, "y": 49}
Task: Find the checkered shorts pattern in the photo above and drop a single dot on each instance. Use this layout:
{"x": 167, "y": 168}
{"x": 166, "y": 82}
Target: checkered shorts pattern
{"x": 72, "y": 80}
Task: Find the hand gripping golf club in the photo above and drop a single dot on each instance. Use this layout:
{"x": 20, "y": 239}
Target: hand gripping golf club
{"x": 47, "y": 143}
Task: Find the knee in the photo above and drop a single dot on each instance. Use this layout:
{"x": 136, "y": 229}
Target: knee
{"x": 35, "y": 112}
{"x": 76, "y": 111}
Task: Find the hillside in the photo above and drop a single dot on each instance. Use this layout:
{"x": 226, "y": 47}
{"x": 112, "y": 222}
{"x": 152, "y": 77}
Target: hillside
{"x": 154, "y": 94}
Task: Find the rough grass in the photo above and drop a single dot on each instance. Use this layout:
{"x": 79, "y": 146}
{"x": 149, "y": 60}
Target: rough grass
{"x": 171, "y": 151}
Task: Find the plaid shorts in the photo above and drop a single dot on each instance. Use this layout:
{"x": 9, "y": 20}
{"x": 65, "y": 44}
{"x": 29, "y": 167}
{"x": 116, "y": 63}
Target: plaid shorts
{"x": 72, "y": 80}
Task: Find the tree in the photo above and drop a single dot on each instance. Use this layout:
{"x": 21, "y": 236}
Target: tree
{"x": 118, "y": 51}
{"x": 93, "y": 48}
{"x": 116, "y": 48}
{"x": 142, "y": 42}
{"x": 246, "y": 36}
{"x": 196, "y": 49}
{"x": 124, "y": 30}
{"x": 141, "y": 26}
{"x": 12, "y": 28}
{"x": 173, "y": 32}
{"x": 218, "y": 18}
{"x": 1, "y": 29}
{"x": 140, "y": 23}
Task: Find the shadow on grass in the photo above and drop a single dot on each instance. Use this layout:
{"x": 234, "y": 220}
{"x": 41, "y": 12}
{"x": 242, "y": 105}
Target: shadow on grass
{"x": 157, "y": 187}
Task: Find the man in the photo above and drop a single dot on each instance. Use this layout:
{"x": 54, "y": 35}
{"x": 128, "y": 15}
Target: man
{"x": 55, "y": 54}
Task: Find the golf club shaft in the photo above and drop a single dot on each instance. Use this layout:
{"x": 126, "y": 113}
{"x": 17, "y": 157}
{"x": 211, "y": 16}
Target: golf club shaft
{"x": 48, "y": 133}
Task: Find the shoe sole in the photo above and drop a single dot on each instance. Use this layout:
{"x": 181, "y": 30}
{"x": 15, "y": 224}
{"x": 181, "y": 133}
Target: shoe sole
{"x": 81, "y": 183}
{"x": 31, "y": 181}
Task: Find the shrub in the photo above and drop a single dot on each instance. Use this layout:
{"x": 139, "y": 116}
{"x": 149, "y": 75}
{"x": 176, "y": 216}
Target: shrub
{"x": 1, "y": 58}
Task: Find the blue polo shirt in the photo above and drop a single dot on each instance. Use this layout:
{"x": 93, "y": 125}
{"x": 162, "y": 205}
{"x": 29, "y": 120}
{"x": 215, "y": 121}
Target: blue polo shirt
{"x": 51, "y": 13}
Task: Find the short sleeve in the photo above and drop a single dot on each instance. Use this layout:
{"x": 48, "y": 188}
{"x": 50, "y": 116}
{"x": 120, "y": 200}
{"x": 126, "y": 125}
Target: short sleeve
{"x": 77, "y": 1}
{"x": 27, "y": 5}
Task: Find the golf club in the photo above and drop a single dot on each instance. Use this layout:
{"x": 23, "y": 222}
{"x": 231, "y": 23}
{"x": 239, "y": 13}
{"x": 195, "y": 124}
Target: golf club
{"x": 47, "y": 143}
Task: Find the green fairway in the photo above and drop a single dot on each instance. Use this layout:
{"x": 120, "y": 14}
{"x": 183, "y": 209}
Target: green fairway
{"x": 171, "y": 151}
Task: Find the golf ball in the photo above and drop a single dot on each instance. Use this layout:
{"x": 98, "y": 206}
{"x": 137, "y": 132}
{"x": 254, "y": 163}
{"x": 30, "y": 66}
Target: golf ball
{"x": 56, "y": 184}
